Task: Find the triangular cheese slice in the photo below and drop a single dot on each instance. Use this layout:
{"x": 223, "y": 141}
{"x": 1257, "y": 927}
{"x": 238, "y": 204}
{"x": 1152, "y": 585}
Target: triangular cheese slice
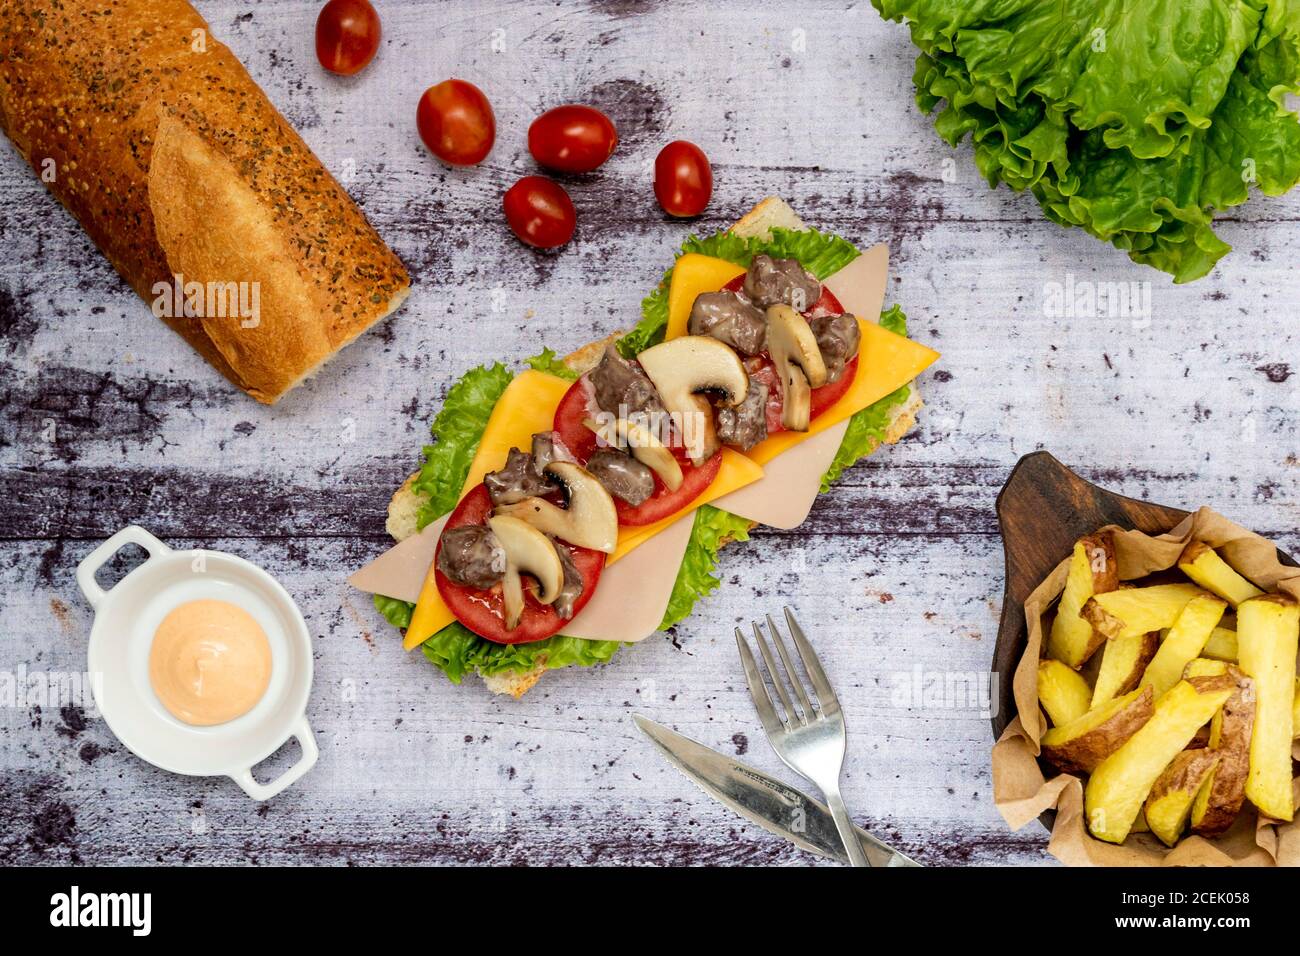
{"x": 790, "y": 483}
{"x": 633, "y": 594}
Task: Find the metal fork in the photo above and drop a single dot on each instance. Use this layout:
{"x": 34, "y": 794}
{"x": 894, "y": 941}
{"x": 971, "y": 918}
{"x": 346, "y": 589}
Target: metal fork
{"x": 809, "y": 737}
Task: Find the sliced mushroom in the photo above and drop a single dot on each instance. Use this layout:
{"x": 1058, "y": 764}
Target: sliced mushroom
{"x": 646, "y": 447}
{"x": 530, "y": 552}
{"x": 798, "y": 361}
{"x": 684, "y": 368}
{"x": 589, "y": 521}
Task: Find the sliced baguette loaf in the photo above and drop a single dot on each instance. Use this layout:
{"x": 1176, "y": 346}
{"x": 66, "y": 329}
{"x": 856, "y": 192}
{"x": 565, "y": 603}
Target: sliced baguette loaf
{"x": 157, "y": 140}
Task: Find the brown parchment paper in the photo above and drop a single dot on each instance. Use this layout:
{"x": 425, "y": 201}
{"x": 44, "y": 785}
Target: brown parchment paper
{"x": 1021, "y": 791}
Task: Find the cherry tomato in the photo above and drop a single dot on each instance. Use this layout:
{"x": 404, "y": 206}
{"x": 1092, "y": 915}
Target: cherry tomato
{"x": 760, "y": 367}
{"x": 540, "y": 212}
{"x": 483, "y": 611}
{"x": 575, "y": 406}
{"x": 456, "y": 122}
{"x": 683, "y": 179}
{"x": 572, "y": 139}
{"x": 347, "y": 35}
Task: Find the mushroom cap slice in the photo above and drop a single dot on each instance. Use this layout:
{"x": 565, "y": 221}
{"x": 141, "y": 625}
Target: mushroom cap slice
{"x": 645, "y": 446}
{"x": 589, "y": 521}
{"x": 799, "y": 364}
{"x": 683, "y": 368}
{"x": 528, "y": 551}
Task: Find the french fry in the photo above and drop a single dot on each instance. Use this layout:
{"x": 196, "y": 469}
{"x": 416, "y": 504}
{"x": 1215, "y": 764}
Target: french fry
{"x": 1063, "y": 693}
{"x": 1080, "y": 745}
{"x": 1220, "y": 798}
{"x": 1123, "y": 662}
{"x": 1131, "y": 611}
{"x": 1203, "y": 565}
{"x": 1222, "y": 645}
{"x": 1093, "y": 570}
{"x": 1121, "y": 783}
{"x": 1268, "y": 632}
{"x": 1295, "y": 711}
{"x": 1170, "y": 804}
{"x": 1184, "y": 642}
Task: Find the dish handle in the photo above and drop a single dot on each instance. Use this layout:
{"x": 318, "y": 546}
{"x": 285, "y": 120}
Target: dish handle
{"x": 265, "y": 791}
{"x": 90, "y": 565}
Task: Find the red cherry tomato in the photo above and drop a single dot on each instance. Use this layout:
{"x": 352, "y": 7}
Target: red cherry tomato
{"x": 581, "y": 442}
{"x": 347, "y": 35}
{"x": 760, "y": 367}
{"x": 572, "y": 139}
{"x": 683, "y": 179}
{"x": 456, "y": 122}
{"x": 483, "y": 612}
{"x": 540, "y": 212}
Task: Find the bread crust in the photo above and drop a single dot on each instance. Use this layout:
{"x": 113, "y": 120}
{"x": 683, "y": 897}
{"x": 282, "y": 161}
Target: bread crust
{"x": 175, "y": 163}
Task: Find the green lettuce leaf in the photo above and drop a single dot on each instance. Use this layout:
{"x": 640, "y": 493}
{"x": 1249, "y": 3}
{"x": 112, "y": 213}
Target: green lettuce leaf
{"x": 457, "y": 651}
{"x": 457, "y": 430}
{"x": 550, "y": 363}
{"x": 1135, "y": 122}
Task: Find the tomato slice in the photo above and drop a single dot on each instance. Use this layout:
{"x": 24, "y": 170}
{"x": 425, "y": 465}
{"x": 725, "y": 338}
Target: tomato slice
{"x": 761, "y": 367}
{"x": 483, "y": 612}
{"x": 581, "y": 441}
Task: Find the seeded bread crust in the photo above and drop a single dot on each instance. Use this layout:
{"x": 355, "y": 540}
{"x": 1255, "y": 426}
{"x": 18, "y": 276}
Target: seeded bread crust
{"x": 771, "y": 213}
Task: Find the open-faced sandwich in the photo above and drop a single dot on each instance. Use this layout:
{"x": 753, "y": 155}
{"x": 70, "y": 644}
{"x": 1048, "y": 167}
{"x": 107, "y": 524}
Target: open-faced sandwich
{"x": 581, "y": 503}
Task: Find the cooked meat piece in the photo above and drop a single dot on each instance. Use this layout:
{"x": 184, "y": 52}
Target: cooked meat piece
{"x": 622, "y": 389}
{"x": 731, "y": 319}
{"x": 547, "y": 448}
{"x": 517, "y": 480}
{"x": 838, "y": 337}
{"x": 471, "y": 556}
{"x": 775, "y": 281}
{"x": 571, "y": 590}
{"x": 745, "y": 425}
{"x": 622, "y": 475}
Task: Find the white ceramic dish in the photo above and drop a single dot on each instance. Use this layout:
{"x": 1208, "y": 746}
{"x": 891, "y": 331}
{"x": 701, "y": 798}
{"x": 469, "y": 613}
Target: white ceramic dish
{"x": 126, "y": 617}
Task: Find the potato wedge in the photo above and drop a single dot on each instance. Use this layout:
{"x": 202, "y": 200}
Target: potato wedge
{"x": 1205, "y": 667}
{"x": 1123, "y": 662}
{"x": 1063, "y": 693}
{"x": 1079, "y": 746}
{"x": 1203, "y": 565}
{"x": 1268, "y": 631}
{"x": 1220, "y": 799}
{"x": 1093, "y": 570}
{"x": 1184, "y": 641}
{"x": 1222, "y": 645}
{"x": 1295, "y": 711}
{"x": 1131, "y": 611}
{"x": 1170, "y": 804}
{"x": 1120, "y": 784}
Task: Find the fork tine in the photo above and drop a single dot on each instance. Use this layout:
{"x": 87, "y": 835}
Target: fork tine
{"x": 792, "y": 715}
{"x": 825, "y": 693}
{"x": 757, "y": 689}
{"x": 795, "y": 679}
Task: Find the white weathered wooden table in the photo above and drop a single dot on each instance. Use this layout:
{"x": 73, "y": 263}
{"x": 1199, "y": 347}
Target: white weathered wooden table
{"x": 110, "y": 419}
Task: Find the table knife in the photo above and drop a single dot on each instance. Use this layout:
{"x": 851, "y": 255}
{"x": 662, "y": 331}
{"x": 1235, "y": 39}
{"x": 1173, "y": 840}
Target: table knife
{"x": 766, "y": 801}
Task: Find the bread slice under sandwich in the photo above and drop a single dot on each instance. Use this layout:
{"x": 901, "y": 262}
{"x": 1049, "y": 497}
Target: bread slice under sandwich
{"x": 771, "y": 213}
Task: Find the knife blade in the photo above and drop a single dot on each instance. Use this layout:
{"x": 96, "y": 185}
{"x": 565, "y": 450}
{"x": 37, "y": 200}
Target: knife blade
{"x": 776, "y": 807}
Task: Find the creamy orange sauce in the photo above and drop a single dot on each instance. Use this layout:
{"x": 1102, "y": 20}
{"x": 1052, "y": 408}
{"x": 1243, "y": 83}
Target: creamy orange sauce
{"x": 210, "y": 662}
